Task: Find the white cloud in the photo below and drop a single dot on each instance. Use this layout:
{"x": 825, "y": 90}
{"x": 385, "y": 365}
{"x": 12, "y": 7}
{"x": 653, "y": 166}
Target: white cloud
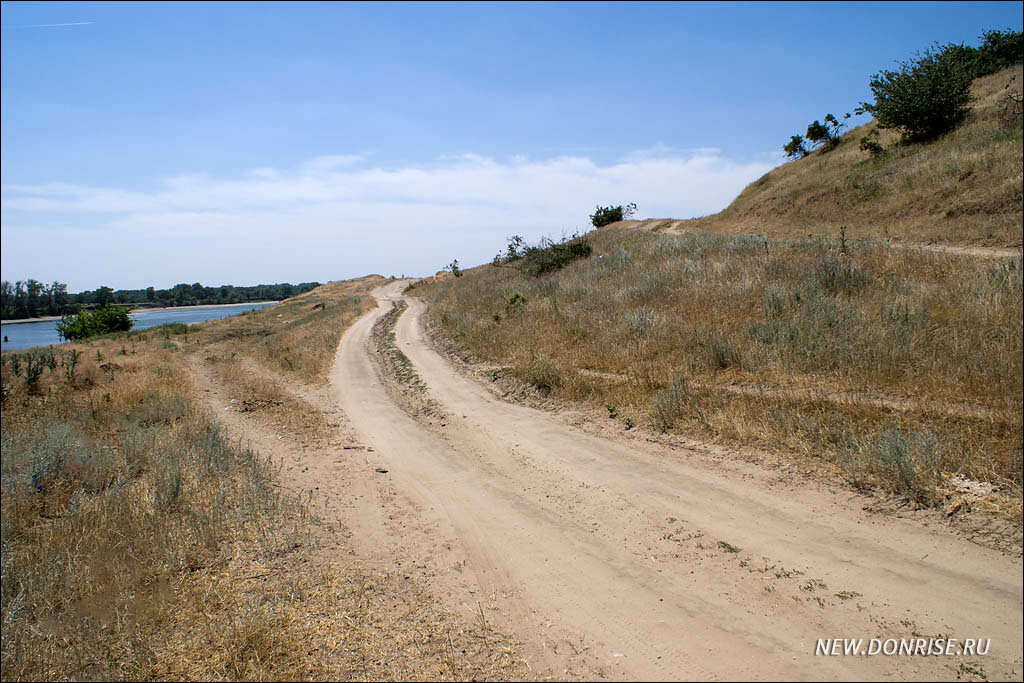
{"x": 658, "y": 150}
{"x": 335, "y": 217}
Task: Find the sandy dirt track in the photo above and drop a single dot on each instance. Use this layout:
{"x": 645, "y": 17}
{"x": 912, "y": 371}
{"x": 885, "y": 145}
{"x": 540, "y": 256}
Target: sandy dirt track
{"x": 678, "y": 227}
{"x": 609, "y": 559}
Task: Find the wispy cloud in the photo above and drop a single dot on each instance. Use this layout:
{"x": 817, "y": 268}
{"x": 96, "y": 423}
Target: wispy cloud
{"x": 331, "y": 162}
{"x": 337, "y": 216}
{"x": 69, "y": 23}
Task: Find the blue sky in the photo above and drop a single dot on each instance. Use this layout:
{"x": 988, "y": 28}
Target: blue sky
{"x": 162, "y": 143}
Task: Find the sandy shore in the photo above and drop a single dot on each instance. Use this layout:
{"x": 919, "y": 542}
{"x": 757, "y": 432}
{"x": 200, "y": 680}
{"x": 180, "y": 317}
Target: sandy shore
{"x": 140, "y": 311}
{"x": 31, "y": 320}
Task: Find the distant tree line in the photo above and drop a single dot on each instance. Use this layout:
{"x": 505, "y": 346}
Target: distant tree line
{"x": 33, "y": 299}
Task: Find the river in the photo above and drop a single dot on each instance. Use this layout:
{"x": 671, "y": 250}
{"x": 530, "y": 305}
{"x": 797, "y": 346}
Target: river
{"x": 44, "y": 332}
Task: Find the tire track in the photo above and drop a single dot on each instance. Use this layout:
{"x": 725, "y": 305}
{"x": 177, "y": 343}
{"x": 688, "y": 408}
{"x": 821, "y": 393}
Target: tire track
{"x": 896, "y": 567}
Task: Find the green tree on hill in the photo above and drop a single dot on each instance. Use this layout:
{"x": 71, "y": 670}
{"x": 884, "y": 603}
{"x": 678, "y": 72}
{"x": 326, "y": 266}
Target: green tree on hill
{"x": 795, "y": 148}
{"x": 999, "y": 50}
{"x": 927, "y": 97}
{"x": 827, "y": 133}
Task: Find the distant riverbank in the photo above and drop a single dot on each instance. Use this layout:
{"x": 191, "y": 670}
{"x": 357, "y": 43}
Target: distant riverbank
{"x": 142, "y": 310}
{"x": 42, "y": 332}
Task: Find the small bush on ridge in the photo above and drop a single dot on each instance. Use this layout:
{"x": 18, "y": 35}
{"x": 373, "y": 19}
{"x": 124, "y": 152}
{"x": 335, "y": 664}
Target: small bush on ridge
{"x": 605, "y": 215}
{"x": 545, "y": 257}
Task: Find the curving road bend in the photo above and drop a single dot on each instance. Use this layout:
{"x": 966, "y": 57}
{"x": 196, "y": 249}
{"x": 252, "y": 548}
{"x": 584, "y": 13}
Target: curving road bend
{"x": 615, "y": 559}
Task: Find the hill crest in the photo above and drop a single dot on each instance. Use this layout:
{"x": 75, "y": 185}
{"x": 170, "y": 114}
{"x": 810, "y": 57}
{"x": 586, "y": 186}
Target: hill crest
{"x": 963, "y": 189}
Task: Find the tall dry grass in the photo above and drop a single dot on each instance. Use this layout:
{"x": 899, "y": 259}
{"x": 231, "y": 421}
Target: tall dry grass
{"x": 848, "y": 356}
{"x": 137, "y": 543}
{"x": 296, "y": 338}
{"x": 118, "y": 494}
{"x": 964, "y": 188}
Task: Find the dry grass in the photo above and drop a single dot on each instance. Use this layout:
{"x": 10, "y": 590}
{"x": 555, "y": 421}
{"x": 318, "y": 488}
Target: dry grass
{"x": 261, "y": 355}
{"x": 403, "y": 383}
{"x": 292, "y": 618}
{"x": 298, "y": 337}
{"x": 118, "y": 495}
{"x": 893, "y": 365}
{"x": 965, "y": 188}
{"x": 138, "y": 544}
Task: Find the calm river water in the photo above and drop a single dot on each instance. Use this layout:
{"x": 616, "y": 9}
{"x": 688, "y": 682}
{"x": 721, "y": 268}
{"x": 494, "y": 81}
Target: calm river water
{"x": 44, "y": 333}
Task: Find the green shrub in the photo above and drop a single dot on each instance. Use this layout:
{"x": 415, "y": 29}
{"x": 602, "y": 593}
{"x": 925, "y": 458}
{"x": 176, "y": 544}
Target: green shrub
{"x": 905, "y": 463}
{"x": 33, "y": 371}
{"x": 101, "y": 321}
{"x": 926, "y": 97}
{"x": 605, "y": 215}
{"x": 825, "y": 134}
{"x": 673, "y": 404}
{"x": 870, "y": 144}
{"x": 514, "y": 303}
{"x": 722, "y": 355}
{"x": 545, "y": 257}
{"x": 840, "y": 275}
{"x": 552, "y": 256}
{"x": 795, "y": 148}
{"x": 543, "y": 374}
{"x": 513, "y": 250}
{"x": 999, "y": 50}
{"x": 70, "y": 363}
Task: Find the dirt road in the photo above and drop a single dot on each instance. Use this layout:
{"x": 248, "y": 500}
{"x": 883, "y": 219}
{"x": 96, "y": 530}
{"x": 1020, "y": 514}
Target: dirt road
{"x": 678, "y": 227}
{"x": 612, "y": 559}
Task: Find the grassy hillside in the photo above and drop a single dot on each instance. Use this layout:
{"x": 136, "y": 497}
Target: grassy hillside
{"x": 782, "y": 323}
{"x": 964, "y": 188}
{"x": 889, "y": 366}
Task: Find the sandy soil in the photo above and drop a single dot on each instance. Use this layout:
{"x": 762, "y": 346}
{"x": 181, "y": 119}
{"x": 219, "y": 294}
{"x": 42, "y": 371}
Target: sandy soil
{"x": 357, "y": 507}
{"x": 980, "y": 252}
{"x": 618, "y": 559}
{"x": 18, "y": 321}
{"x": 814, "y": 393}
{"x": 677, "y": 227}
